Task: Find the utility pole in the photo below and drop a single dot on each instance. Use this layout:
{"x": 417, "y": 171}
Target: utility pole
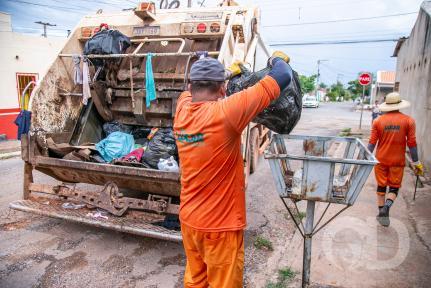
{"x": 189, "y": 3}
{"x": 318, "y": 75}
{"x": 44, "y": 26}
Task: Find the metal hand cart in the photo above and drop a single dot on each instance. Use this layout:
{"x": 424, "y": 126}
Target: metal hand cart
{"x": 317, "y": 169}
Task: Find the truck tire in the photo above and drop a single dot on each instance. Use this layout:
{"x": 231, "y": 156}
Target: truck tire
{"x": 254, "y": 149}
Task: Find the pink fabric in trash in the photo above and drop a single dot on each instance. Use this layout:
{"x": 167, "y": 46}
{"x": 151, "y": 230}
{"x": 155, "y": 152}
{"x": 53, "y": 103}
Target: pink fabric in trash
{"x": 134, "y": 156}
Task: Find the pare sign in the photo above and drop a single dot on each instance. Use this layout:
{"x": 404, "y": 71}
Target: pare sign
{"x": 364, "y": 79}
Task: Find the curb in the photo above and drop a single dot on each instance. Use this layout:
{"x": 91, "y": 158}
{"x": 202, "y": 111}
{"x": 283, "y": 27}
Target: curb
{"x": 4, "y": 156}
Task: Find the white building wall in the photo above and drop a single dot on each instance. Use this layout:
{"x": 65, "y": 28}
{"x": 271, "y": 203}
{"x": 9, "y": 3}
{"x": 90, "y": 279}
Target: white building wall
{"x": 414, "y": 77}
{"x": 22, "y": 53}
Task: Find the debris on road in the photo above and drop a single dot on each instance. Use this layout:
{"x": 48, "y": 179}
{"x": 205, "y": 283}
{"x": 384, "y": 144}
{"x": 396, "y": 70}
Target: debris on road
{"x": 68, "y": 205}
{"x": 98, "y": 215}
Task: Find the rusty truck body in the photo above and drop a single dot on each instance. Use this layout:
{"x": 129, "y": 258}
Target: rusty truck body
{"x": 136, "y": 198}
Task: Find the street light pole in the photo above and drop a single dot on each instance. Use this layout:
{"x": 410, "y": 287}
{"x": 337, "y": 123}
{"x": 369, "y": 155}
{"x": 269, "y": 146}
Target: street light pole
{"x": 362, "y": 107}
{"x": 318, "y": 75}
{"x": 44, "y": 26}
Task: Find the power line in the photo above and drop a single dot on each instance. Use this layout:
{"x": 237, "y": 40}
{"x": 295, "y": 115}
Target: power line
{"x": 76, "y": 10}
{"x": 36, "y": 29}
{"x": 341, "y": 20}
{"x": 276, "y": 6}
{"x": 346, "y": 33}
{"x": 336, "y": 42}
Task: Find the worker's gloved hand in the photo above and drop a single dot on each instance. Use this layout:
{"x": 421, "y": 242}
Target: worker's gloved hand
{"x": 418, "y": 168}
{"x": 234, "y": 69}
{"x": 278, "y": 54}
{"x": 281, "y": 72}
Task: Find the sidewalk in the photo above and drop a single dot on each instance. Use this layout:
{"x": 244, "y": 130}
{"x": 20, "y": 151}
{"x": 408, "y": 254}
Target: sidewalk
{"x": 10, "y": 148}
{"x": 355, "y": 251}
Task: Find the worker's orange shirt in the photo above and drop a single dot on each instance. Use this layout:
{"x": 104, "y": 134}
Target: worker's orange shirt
{"x": 208, "y": 137}
{"x": 392, "y": 132}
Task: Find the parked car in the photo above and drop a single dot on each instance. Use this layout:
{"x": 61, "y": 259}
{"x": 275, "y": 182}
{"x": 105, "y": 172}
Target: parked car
{"x": 310, "y": 102}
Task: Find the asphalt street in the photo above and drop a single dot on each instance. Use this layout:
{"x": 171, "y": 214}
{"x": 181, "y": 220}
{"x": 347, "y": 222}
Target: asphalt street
{"x": 42, "y": 252}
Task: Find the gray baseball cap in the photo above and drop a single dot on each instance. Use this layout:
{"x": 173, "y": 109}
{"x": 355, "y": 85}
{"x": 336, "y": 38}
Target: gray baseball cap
{"x": 207, "y": 69}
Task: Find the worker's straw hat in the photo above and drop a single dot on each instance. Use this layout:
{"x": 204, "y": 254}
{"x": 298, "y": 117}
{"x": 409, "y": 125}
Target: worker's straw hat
{"x": 393, "y": 102}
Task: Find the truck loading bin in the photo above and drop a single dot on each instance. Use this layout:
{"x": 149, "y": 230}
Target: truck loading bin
{"x": 139, "y": 200}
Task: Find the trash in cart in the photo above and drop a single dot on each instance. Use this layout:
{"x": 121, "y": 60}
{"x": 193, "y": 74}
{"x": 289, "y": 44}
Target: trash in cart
{"x": 319, "y": 173}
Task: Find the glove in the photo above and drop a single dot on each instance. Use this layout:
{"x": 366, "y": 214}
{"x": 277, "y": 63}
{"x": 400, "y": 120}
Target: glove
{"x": 235, "y": 68}
{"x": 418, "y": 168}
{"x": 279, "y": 54}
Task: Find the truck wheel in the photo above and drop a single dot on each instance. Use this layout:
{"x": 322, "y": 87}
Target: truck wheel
{"x": 254, "y": 149}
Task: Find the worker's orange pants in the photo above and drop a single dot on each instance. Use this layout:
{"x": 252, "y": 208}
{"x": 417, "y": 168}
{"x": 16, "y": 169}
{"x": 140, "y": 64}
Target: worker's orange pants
{"x": 391, "y": 176}
{"x": 214, "y": 259}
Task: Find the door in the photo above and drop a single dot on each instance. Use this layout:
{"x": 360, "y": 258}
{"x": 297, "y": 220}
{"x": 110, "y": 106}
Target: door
{"x": 22, "y": 80}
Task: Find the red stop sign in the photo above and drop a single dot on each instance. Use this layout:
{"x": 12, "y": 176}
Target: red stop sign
{"x": 365, "y": 79}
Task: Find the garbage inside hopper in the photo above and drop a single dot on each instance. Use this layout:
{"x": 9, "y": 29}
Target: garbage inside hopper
{"x": 116, "y": 145}
{"x": 126, "y": 145}
{"x": 161, "y": 146}
{"x": 169, "y": 165}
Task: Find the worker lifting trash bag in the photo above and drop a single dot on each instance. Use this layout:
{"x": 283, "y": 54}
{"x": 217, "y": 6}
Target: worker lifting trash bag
{"x": 282, "y": 114}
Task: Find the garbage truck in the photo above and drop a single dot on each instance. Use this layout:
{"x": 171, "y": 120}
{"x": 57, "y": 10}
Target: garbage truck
{"x": 66, "y": 121}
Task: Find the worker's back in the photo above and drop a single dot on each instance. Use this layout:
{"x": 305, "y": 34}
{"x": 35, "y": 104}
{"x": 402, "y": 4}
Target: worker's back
{"x": 212, "y": 172}
{"x": 393, "y": 131}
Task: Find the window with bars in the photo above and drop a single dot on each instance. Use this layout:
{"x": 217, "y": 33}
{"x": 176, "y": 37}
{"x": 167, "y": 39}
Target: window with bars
{"x": 22, "y": 80}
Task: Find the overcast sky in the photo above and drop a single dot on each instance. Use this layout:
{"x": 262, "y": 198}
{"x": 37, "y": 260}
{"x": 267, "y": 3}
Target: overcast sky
{"x": 344, "y": 60}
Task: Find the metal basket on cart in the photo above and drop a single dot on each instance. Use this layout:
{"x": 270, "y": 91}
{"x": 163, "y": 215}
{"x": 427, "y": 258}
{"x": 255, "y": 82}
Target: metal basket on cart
{"x": 317, "y": 169}
{"x": 318, "y": 175}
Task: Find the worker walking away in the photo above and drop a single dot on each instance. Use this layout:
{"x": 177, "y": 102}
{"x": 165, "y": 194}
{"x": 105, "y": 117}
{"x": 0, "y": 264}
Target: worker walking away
{"x": 375, "y": 112}
{"x": 208, "y": 129}
{"x": 391, "y": 132}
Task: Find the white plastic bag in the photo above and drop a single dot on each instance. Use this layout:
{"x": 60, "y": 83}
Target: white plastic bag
{"x": 169, "y": 165}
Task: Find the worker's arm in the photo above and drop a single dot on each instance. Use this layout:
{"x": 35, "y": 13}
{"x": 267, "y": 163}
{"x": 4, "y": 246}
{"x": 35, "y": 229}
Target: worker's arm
{"x": 374, "y": 137}
{"x": 411, "y": 140}
{"x": 240, "y": 108}
{"x": 411, "y": 143}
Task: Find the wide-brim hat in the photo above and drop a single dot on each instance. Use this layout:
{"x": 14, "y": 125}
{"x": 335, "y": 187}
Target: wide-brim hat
{"x": 393, "y": 102}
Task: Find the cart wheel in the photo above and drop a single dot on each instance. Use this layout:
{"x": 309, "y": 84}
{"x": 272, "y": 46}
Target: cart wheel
{"x": 254, "y": 149}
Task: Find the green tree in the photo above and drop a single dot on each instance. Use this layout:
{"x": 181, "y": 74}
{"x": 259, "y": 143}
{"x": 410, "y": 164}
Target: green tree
{"x": 337, "y": 90}
{"x": 356, "y": 89}
{"x": 307, "y": 83}
{"x": 323, "y": 85}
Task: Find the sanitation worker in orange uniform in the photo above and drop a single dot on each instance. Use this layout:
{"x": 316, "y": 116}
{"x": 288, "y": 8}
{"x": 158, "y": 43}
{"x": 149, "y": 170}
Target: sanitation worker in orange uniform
{"x": 208, "y": 129}
{"x": 392, "y": 132}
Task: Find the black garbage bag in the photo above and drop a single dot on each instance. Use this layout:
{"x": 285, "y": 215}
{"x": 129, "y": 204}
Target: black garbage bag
{"x": 282, "y": 114}
{"x": 107, "y": 42}
{"x": 114, "y": 126}
{"x": 141, "y": 132}
{"x": 161, "y": 146}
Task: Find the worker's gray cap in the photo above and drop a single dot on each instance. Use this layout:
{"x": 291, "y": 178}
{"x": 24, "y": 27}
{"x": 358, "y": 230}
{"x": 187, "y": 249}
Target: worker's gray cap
{"x": 207, "y": 69}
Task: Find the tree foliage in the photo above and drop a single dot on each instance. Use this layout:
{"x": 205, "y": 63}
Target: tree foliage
{"x": 323, "y": 85}
{"x": 336, "y": 91}
{"x": 356, "y": 89}
{"x": 307, "y": 83}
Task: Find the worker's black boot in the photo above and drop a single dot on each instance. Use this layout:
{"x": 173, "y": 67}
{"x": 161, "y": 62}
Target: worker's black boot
{"x": 383, "y": 217}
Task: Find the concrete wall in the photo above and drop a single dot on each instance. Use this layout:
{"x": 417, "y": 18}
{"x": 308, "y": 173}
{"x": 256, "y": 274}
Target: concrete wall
{"x": 414, "y": 77}
{"x": 20, "y": 53}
